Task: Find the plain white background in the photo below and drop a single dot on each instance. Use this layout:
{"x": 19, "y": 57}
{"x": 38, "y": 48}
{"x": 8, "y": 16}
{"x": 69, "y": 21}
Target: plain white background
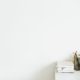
{"x": 35, "y": 33}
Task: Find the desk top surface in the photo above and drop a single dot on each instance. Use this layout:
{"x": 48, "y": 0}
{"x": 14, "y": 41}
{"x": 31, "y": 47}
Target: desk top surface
{"x": 68, "y": 76}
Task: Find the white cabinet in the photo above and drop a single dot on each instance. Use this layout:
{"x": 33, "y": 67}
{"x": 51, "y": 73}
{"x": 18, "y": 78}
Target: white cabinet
{"x": 67, "y": 76}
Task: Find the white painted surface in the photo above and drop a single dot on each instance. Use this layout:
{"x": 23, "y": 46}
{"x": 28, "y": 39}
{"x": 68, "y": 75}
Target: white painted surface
{"x": 65, "y": 66}
{"x": 68, "y": 76}
{"x": 36, "y": 33}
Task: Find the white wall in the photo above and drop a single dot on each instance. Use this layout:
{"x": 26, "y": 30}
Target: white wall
{"x": 35, "y": 33}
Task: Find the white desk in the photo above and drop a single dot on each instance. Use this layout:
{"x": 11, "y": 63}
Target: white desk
{"x": 67, "y": 76}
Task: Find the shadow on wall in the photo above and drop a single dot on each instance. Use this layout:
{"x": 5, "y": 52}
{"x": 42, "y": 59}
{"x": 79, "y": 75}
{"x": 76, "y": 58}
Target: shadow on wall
{"x": 47, "y": 73}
